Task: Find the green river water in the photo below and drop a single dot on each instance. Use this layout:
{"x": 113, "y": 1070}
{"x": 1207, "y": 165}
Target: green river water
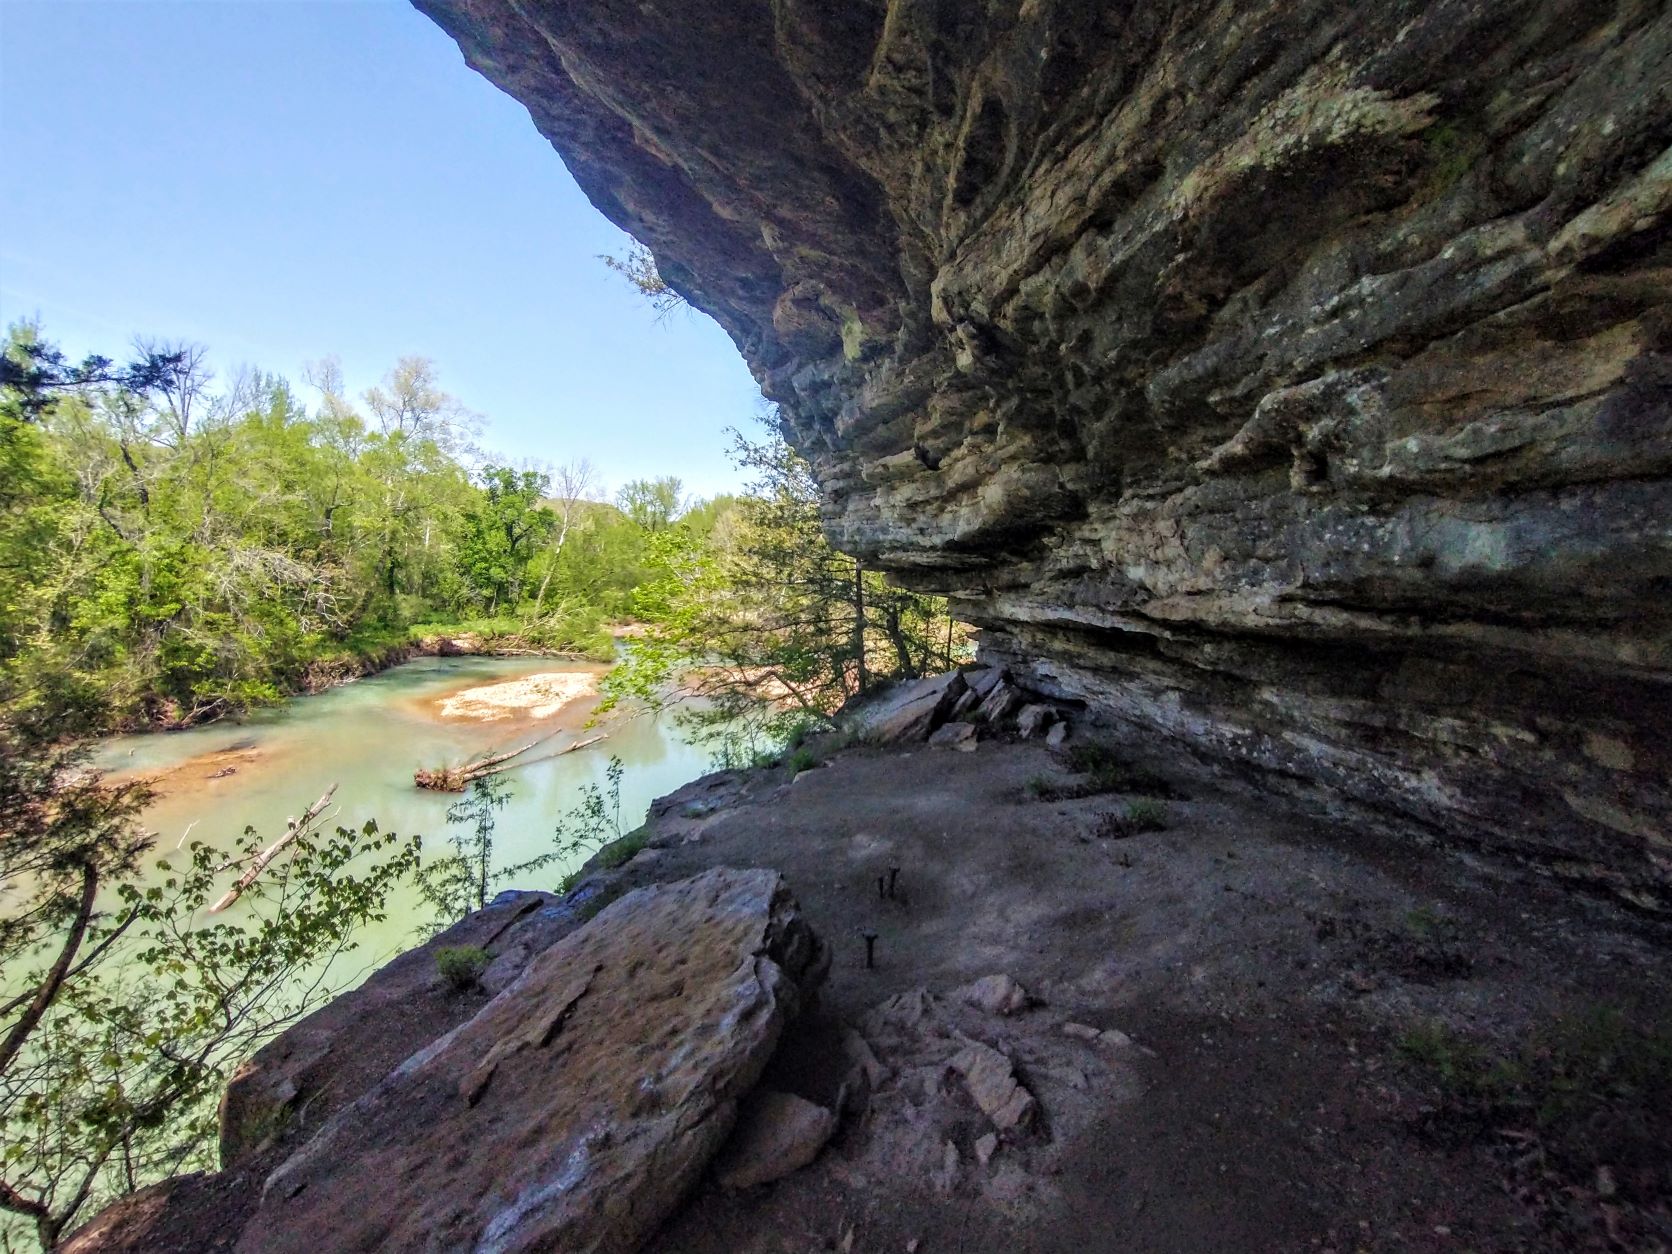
{"x": 367, "y": 737}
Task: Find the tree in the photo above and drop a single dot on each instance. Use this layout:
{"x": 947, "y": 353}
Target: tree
{"x": 189, "y": 547}
{"x": 764, "y": 620}
{"x": 651, "y": 503}
{"x": 125, "y": 1014}
{"x": 457, "y": 883}
{"x": 410, "y": 403}
{"x": 571, "y": 487}
{"x": 502, "y": 532}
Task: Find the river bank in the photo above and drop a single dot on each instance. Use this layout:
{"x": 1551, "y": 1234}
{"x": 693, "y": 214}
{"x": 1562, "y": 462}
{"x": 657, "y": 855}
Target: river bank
{"x": 356, "y": 659}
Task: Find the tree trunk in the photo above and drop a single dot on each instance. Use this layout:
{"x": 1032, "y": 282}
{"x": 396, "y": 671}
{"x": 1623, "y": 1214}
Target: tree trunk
{"x": 897, "y": 638}
{"x": 862, "y": 676}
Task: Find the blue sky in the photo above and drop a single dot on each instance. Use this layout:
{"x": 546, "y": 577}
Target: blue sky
{"x": 282, "y": 179}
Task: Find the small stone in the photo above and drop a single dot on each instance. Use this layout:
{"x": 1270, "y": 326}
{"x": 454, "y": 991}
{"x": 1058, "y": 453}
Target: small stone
{"x": 945, "y": 1177}
{"x": 864, "y": 1058}
{"x": 776, "y": 1133}
{"x": 985, "y": 1148}
{"x": 1115, "y": 1037}
{"x": 995, "y": 994}
{"x": 1034, "y": 719}
{"x": 991, "y": 1080}
{"x": 1080, "y": 1031}
{"x": 954, "y": 736}
{"x": 1058, "y": 735}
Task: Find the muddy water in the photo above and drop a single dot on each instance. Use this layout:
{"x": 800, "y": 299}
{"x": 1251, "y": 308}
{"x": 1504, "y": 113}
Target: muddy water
{"x": 367, "y": 738}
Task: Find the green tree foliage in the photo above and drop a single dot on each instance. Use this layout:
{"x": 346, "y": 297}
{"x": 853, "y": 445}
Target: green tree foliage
{"x": 755, "y": 614}
{"x": 122, "y": 1010}
{"x": 651, "y": 504}
{"x": 174, "y": 548}
{"x": 501, "y": 532}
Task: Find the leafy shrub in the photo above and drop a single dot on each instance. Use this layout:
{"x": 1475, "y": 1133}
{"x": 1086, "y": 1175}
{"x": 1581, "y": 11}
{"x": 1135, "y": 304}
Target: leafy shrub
{"x": 1100, "y": 771}
{"x": 802, "y": 760}
{"x": 461, "y": 966}
{"x": 593, "y": 905}
{"x": 621, "y": 852}
{"x": 1143, "y": 815}
{"x": 1146, "y": 815}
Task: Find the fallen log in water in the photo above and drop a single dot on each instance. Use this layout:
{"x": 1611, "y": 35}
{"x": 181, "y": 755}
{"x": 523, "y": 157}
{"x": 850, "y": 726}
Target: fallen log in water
{"x": 293, "y": 829}
{"x": 458, "y": 778}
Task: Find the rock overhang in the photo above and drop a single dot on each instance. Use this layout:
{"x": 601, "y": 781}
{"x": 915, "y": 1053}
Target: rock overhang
{"x": 1294, "y": 379}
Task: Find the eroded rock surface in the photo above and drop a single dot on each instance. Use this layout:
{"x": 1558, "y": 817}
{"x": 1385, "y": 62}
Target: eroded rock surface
{"x": 576, "y": 1108}
{"x": 1292, "y": 378}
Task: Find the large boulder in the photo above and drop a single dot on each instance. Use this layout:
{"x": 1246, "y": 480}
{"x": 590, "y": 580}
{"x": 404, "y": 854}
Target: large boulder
{"x": 341, "y": 1050}
{"x": 577, "y": 1107}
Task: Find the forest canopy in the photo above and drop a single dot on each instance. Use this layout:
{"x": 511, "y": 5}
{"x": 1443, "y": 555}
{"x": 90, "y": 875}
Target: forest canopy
{"x": 176, "y": 547}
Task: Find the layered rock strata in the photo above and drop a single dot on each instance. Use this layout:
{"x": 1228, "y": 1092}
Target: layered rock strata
{"x": 1292, "y": 378}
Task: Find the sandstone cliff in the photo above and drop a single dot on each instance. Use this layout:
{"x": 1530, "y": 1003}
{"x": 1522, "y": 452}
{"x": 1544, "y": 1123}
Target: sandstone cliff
{"x": 1290, "y": 378}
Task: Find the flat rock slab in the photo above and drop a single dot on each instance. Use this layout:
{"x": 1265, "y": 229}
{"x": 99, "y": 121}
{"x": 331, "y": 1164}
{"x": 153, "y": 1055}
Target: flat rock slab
{"x": 909, "y": 712}
{"x": 578, "y": 1106}
{"x": 343, "y": 1049}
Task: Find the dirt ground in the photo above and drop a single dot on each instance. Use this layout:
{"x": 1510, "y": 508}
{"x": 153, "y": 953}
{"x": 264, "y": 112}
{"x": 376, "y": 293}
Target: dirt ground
{"x": 1251, "y": 1030}
{"x": 1273, "y": 971}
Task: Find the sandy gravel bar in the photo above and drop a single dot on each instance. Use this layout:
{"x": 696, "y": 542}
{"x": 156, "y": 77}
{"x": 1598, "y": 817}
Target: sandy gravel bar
{"x": 532, "y": 696}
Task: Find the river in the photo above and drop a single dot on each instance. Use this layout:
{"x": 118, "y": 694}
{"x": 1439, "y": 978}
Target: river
{"x": 368, "y": 737}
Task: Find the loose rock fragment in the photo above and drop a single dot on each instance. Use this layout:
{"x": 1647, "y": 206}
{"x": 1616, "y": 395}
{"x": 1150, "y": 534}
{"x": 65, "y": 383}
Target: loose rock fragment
{"x": 1034, "y": 719}
{"x": 955, "y": 736}
{"x": 992, "y": 1082}
{"x": 1001, "y": 702}
{"x": 908, "y": 714}
{"x": 996, "y": 994}
{"x": 776, "y": 1133}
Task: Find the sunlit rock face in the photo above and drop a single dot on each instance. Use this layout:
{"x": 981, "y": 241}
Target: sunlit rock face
{"x": 1290, "y": 378}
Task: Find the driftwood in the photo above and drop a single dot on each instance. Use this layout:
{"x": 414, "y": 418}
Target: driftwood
{"x": 293, "y": 829}
{"x": 459, "y": 778}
